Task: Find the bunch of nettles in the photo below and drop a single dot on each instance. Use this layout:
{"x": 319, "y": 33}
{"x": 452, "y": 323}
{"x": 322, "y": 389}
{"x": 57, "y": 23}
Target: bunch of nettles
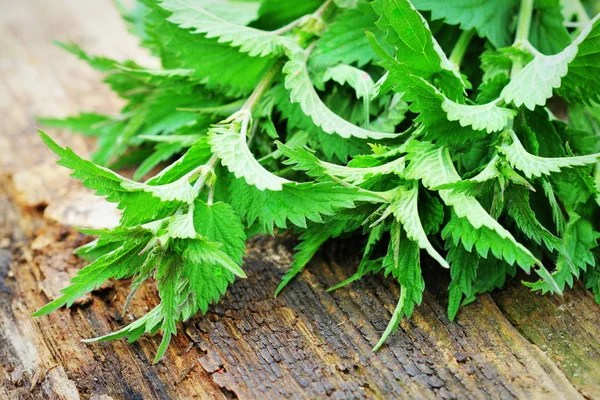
{"x": 465, "y": 130}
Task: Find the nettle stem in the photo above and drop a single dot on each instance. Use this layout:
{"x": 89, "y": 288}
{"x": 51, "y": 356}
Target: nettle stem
{"x": 262, "y": 86}
{"x": 525, "y": 13}
{"x": 319, "y": 13}
{"x": 582, "y": 15}
{"x": 461, "y": 46}
{"x": 208, "y": 169}
{"x": 522, "y": 35}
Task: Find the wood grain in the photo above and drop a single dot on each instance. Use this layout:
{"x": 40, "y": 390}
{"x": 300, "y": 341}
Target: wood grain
{"x": 306, "y": 343}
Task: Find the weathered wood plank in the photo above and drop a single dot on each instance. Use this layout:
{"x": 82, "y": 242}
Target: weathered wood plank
{"x": 305, "y": 344}
{"x": 566, "y": 328}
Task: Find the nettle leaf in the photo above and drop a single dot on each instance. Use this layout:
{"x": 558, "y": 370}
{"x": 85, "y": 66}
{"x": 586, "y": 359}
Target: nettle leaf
{"x": 310, "y": 242}
{"x": 405, "y": 209}
{"x": 438, "y": 111}
{"x": 488, "y": 117}
{"x": 548, "y": 32}
{"x": 580, "y": 239}
{"x": 463, "y": 271}
{"x": 180, "y": 48}
{"x": 302, "y": 91}
{"x": 360, "y": 81}
{"x": 139, "y": 202}
{"x": 534, "y": 84}
{"x": 535, "y": 166}
{"x": 582, "y": 82}
{"x": 345, "y": 41}
{"x": 232, "y": 149}
{"x": 204, "y": 251}
{"x": 520, "y": 211}
{"x": 418, "y": 53}
{"x": 304, "y": 160}
{"x": 168, "y": 277}
{"x": 194, "y": 15}
{"x": 90, "y": 124}
{"x": 221, "y": 224}
{"x": 489, "y": 18}
{"x": 114, "y": 264}
{"x": 296, "y": 203}
{"x": 405, "y": 267}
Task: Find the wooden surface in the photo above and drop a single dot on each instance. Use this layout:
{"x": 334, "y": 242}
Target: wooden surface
{"x": 305, "y": 344}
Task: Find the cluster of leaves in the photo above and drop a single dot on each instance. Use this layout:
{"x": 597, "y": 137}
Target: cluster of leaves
{"x": 343, "y": 118}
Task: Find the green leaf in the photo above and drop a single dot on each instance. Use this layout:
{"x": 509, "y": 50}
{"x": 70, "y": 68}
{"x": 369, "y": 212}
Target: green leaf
{"x": 304, "y": 160}
{"x": 534, "y": 84}
{"x": 204, "y": 251}
{"x": 168, "y": 279}
{"x": 437, "y": 111}
{"x": 418, "y": 53}
{"x": 302, "y": 91}
{"x": 405, "y": 209}
{"x": 114, "y": 264}
{"x": 90, "y": 124}
{"x": 296, "y": 203}
{"x": 232, "y": 149}
{"x": 582, "y": 83}
{"x": 580, "y": 239}
{"x": 221, "y": 224}
{"x": 548, "y": 32}
{"x": 520, "y": 211}
{"x": 344, "y": 41}
{"x": 534, "y": 166}
{"x": 198, "y": 154}
{"x": 196, "y": 16}
{"x": 180, "y": 48}
{"x": 488, "y": 117}
{"x": 463, "y": 271}
{"x": 310, "y": 242}
{"x": 358, "y": 79}
{"x": 405, "y": 266}
{"x": 139, "y": 202}
{"x": 489, "y": 18}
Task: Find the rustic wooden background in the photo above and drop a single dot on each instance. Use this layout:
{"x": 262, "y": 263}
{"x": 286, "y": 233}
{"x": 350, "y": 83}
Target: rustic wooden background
{"x": 305, "y": 344}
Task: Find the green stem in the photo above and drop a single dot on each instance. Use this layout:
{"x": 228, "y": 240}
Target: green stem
{"x": 582, "y": 15}
{"x": 522, "y": 35}
{"x": 260, "y": 89}
{"x": 460, "y": 48}
{"x": 222, "y": 110}
{"x": 525, "y": 13}
{"x": 290, "y": 26}
{"x": 320, "y": 12}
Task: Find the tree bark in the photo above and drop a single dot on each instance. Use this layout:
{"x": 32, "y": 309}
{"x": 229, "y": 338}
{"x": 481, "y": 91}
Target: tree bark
{"x": 307, "y": 343}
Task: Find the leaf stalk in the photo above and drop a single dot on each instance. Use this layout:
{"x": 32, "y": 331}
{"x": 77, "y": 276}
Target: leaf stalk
{"x": 461, "y": 47}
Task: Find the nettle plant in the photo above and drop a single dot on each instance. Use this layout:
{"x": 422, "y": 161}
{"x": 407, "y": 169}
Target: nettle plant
{"x": 343, "y": 118}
